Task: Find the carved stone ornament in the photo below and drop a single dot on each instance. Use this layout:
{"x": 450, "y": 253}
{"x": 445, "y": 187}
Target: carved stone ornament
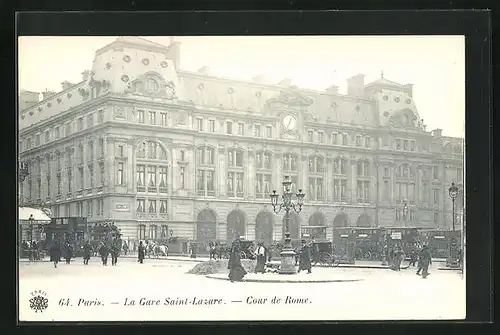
{"x": 164, "y": 64}
{"x": 69, "y": 95}
{"x": 119, "y": 113}
{"x": 145, "y": 61}
{"x": 39, "y": 109}
{"x": 126, "y": 58}
{"x": 125, "y": 78}
{"x": 59, "y": 100}
{"x": 170, "y": 91}
{"x": 22, "y": 117}
{"x": 84, "y": 93}
{"x": 49, "y": 105}
{"x": 108, "y": 66}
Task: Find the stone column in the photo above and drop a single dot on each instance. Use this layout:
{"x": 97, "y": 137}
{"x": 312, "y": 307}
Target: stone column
{"x": 303, "y": 180}
{"x": 353, "y": 180}
{"x": 250, "y": 173}
{"x": 130, "y": 166}
{"x": 277, "y": 168}
{"x": 329, "y": 179}
{"x": 221, "y": 171}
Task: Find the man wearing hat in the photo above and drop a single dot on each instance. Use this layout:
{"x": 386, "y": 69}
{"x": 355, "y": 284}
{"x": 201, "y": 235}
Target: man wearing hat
{"x": 305, "y": 257}
{"x": 425, "y": 259}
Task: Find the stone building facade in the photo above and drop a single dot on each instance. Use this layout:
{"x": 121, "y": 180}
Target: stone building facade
{"x": 158, "y": 149}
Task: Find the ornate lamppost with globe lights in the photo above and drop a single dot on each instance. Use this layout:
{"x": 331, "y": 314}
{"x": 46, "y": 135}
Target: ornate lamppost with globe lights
{"x": 287, "y": 255}
{"x": 453, "y": 192}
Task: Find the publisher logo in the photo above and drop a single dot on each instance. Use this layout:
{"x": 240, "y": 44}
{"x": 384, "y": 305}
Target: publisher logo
{"x": 39, "y": 301}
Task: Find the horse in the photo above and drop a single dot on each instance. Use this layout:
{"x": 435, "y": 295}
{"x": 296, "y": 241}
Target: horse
{"x": 150, "y": 249}
{"x": 161, "y": 250}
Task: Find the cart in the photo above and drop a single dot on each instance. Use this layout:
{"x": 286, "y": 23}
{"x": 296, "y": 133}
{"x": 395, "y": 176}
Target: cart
{"x": 323, "y": 253}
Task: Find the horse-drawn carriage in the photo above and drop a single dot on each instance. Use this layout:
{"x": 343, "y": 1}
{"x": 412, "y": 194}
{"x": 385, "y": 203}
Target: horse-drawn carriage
{"x": 323, "y": 252}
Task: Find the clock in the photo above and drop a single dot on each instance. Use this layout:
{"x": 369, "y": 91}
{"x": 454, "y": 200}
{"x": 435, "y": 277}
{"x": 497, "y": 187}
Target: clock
{"x": 290, "y": 122}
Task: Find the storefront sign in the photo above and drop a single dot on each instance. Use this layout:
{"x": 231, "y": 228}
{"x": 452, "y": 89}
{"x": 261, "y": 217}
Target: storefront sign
{"x": 122, "y": 207}
{"x": 396, "y": 236}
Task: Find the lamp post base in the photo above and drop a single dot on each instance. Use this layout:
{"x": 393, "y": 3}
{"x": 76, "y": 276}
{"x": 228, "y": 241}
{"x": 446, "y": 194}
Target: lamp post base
{"x": 287, "y": 262}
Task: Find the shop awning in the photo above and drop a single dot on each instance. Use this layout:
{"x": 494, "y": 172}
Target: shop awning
{"x": 38, "y": 215}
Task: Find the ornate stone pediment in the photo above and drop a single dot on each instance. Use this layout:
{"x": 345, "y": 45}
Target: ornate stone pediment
{"x": 289, "y": 97}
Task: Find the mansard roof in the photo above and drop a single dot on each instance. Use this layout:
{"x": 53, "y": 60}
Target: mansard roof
{"x": 136, "y": 42}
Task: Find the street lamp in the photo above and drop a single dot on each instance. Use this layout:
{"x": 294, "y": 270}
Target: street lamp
{"x": 287, "y": 255}
{"x": 31, "y": 219}
{"x": 23, "y": 171}
{"x": 453, "y": 192}
{"x": 171, "y": 232}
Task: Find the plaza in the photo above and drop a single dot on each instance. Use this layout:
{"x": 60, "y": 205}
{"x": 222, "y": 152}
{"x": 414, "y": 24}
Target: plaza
{"x": 157, "y": 287}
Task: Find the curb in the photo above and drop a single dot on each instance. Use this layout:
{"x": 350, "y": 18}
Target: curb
{"x": 289, "y": 281}
{"x": 450, "y": 269}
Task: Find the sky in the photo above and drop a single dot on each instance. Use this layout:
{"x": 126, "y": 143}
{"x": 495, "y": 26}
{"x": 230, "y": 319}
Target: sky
{"x": 435, "y": 65}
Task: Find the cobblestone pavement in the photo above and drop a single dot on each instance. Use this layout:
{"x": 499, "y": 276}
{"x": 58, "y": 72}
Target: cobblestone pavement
{"x": 100, "y": 293}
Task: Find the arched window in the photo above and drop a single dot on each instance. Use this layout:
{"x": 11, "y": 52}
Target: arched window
{"x": 291, "y": 169}
{"x": 316, "y": 178}
{"x": 263, "y": 174}
{"x": 151, "y": 85}
{"x": 405, "y": 184}
{"x": 340, "y": 179}
{"x": 235, "y": 174}
{"x": 363, "y": 181}
{"x": 205, "y": 171}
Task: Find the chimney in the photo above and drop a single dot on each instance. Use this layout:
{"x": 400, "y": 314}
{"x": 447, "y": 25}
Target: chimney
{"x": 409, "y": 89}
{"x": 174, "y": 52}
{"x": 356, "y": 85}
{"x": 85, "y": 75}
{"x": 285, "y": 82}
{"x": 333, "y": 89}
{"x": 66, "y": 85}
{"x": 47, "y": 94}
{"x": 28, "y": 99}
{"x": 204, "y": 70}
{"x": 437, "y": 132}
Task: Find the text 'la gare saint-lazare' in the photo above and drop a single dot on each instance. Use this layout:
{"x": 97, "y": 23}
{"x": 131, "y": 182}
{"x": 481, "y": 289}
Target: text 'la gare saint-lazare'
{"x": 212, "y": 301}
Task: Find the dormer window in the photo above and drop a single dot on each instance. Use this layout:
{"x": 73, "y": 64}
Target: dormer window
{"x": 151, "y": 85}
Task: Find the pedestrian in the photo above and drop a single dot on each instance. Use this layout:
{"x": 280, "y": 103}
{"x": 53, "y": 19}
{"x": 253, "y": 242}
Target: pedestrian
{"x": 68, "y": 254}
{"x": 261, "y": 258}
{"x": 414, "y": 255}
{"x": 104, "y": 252}
{"x": 236, "y": 270}
{"x": 141, "y": 252}
{"x": 115, "y": 249}
{"x": 397, "y": 258}
{"x": 55, "y": 253}
{"x": 87, "y": 251}
{"x": 125, "y": 248}
{"x": 425, "y": 259}
{"x": 305, "y": 257}
{"x": 193, "y": 246}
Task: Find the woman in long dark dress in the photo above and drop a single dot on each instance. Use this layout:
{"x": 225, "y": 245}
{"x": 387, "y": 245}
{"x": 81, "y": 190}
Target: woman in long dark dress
{"x": 236, "y": 270}
{"x": 55, "y": 253}
{"x": 305, "y": 257}
{"x": 87, "y": 251}
{"x": 141, "y": 252}
{"x": 68, "y": 252}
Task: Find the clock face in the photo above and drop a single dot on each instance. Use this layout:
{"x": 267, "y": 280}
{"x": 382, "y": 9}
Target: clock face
{"x": 290, "y": 122}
